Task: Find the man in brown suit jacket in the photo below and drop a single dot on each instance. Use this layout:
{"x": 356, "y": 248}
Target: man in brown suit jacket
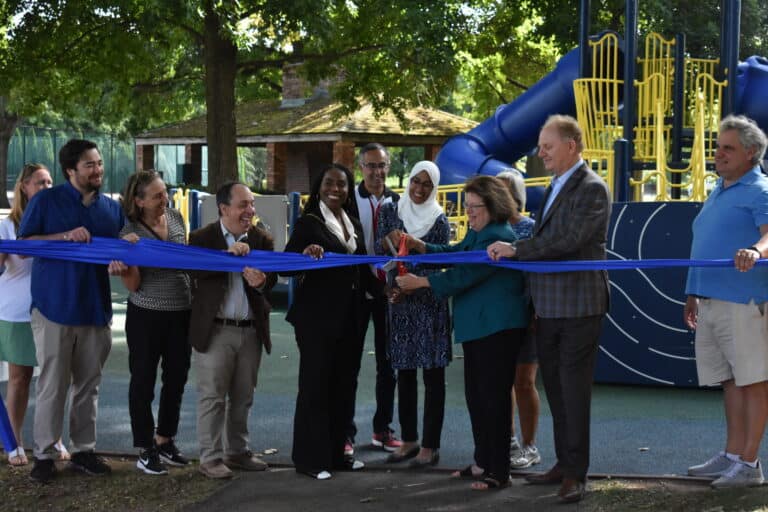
{"x": 228, "y": 328}
{"x": 572, "y": 224}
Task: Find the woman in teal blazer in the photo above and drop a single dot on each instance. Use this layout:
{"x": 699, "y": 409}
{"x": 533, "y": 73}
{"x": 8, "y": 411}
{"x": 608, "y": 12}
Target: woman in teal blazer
{"x": 490, "y": 313}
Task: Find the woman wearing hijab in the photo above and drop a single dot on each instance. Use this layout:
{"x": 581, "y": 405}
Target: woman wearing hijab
{"x": 419, "y": 323}
{"x": 324, "y": 316}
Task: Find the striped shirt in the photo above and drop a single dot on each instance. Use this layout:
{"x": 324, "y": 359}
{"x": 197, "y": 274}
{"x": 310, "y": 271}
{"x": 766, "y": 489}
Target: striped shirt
{"x": 161, "y": 289}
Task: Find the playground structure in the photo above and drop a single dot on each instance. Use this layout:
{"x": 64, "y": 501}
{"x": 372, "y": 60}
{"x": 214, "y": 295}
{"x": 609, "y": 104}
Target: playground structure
{"x": 650, "y": 121}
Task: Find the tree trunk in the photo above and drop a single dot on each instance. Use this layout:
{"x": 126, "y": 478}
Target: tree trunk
{"x": 8, "y": 123}
{"x": 220, "y": 69}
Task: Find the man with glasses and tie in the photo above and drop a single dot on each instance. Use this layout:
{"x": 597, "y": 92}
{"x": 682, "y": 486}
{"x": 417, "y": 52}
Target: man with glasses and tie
{"x": 371, "y": 194}
{"x": 572, "y": 224}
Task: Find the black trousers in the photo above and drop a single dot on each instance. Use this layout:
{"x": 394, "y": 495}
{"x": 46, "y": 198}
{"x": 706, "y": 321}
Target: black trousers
{"x": 327, "y": 380}
{"x": 567, "y": 348}
{"x": 386, "y": 379}
{"x": 489, "y": 373}
{"x": 434, "y": 405}
{"x": 156, "y": 337}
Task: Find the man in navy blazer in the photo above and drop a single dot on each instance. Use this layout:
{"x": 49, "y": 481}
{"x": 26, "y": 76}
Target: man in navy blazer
{"x": 572, "y": 224}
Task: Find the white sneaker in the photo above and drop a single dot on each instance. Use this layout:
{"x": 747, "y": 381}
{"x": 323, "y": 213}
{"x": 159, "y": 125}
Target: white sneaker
{"x": 515, "y": 450}
{"x": 713, "y": 468}
{"x": 740, "y": 475}
{"x": 529, "y": 456}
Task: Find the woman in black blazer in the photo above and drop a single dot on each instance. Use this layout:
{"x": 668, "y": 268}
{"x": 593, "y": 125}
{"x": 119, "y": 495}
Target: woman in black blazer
{"x": 323, "y": 315}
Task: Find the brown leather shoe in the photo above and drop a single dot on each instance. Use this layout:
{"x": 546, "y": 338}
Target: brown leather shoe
{"x": 572, "y": 490}
{"x": 215, "y": 469}
{"x": 553, "y": 476}
{"x": 246, "y": 461}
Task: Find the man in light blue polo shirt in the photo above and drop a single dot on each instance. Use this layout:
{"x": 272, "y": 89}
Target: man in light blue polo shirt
{"x": 727, "y": 306}
{"x": 71, "y": 308}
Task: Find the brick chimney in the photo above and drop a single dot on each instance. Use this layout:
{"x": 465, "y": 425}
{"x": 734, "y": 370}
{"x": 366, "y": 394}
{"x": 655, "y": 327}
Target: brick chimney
{"x": 294, "y": 86}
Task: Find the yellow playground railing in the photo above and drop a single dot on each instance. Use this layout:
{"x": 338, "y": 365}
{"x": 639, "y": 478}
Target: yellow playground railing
{"x": 180, "y": 201}
{"x": 651, "y": 93}
{"x": 659, "y": 59}
{"x": 605, "y": 57}
{"x": 695, "y": 187}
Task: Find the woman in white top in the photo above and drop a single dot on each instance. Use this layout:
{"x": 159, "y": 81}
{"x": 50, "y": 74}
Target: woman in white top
{"x": 16, "y": 344}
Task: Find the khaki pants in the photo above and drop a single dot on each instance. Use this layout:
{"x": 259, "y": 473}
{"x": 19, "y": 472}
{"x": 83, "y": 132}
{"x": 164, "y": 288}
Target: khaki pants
{"x": 226, "y": 377}
{"x": 67, "y": 355}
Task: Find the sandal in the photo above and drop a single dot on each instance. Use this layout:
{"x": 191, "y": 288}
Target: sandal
{"x": 469, "y": 472}
{"x": 489, "y": 483}
{"x": 17, "y": 457}
{"x": 61, "y": 450}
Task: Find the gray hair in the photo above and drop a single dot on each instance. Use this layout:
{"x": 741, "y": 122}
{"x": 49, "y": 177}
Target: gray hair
{"x": 371, "y": 146}
{"x": 750, "y": 135}
{"x": 514, "y": 179}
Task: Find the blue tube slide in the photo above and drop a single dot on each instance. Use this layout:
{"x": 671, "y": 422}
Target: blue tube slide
{"x": 751, "y": 90}
{"x": 513, "y": 130}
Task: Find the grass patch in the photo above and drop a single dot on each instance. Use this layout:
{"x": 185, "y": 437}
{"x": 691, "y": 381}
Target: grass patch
{"x": 672, "y": 496}
{"x": 126, "y": 489}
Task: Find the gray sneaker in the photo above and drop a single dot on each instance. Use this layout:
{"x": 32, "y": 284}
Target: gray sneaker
{"x": 740, "y": 475}
{"x": 515, "y": 450}
{"x": 713, "y": 468}
{"x": 529, "y": 456}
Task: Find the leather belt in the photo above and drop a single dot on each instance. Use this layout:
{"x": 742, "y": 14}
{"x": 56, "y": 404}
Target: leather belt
{"x": 234, "y": 323}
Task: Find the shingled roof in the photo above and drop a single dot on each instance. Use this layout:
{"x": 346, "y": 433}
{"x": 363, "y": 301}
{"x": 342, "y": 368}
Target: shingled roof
{"x": 262, "y": 121}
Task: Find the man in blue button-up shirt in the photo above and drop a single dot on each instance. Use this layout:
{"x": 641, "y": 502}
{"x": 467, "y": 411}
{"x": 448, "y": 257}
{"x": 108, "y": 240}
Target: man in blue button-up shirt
{"x": 71, "y": 308}
{"x": 726, "y": 307}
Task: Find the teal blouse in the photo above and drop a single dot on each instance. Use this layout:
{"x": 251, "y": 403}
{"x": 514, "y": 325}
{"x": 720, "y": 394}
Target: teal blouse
{"x": 486, "y": 299}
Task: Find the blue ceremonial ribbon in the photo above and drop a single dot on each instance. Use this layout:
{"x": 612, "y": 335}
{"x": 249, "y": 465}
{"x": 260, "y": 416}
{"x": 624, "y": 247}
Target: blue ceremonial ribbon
{"x": 6, "y": 432}
{"x": 157, "y": 253}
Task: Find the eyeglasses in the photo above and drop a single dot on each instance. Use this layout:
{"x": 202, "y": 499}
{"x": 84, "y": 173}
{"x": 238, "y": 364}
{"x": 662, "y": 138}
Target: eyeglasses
{"x": 468, "y": 206}
{"x": 416, "y": 182}
{"x": 376, "y": 165}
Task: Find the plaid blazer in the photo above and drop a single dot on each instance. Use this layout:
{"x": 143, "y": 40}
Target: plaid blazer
{"x": 575, "y": 228}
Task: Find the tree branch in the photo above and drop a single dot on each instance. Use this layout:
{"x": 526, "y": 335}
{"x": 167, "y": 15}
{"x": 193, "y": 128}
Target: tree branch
{"x": 164, "y": 84}
{"x": 253, "y": 66}
{"x": 514, "y": 82}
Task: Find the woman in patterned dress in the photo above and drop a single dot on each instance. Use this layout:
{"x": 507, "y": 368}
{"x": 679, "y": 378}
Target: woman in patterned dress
{"x": 419, "y": 323}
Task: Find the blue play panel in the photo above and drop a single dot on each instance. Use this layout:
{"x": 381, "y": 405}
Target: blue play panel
{"x": 644, "y": 339}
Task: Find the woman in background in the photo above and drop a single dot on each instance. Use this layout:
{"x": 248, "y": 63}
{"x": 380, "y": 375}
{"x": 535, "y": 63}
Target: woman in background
{"x": 524, "y": 390}
{"x": 156, "y": 325}
{"x": 419, "y": 323}
{"x": 17, "y": 347}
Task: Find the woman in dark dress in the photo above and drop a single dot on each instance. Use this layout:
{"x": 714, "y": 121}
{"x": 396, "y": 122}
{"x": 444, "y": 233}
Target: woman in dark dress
{"x": 419, "y": 323}
{"x": 323, "y": 314}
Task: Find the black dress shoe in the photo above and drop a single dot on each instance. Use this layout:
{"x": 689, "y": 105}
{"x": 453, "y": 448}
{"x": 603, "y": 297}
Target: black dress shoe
{"x": 553, "y": 476}
{"x": 418, "y": 463}
{"x": 572, "y": 490}
{"x": 400, "y": 457}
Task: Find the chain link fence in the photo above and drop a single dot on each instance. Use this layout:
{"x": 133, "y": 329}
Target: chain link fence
{"x": 33, "y": 144}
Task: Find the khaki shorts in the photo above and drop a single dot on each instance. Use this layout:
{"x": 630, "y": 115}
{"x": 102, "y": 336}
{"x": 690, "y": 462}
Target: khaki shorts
{"x": 731, "y": 342}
